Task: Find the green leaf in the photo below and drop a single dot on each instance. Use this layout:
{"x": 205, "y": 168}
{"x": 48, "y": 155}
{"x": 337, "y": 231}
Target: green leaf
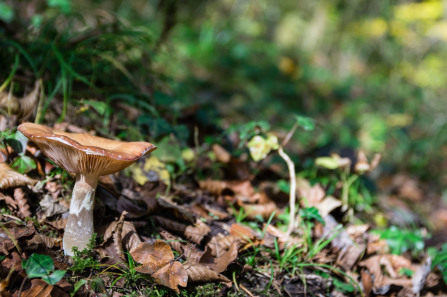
{"x": 306, "y": 123}
{"x": 77, "y": 286}
{"x": 23, "y": 164}
{"x": 38, "y": 265}
{"x": 311, "y": 213}
{"x": 326, "y": 162}
{"x": 63, "y": 5}
{"x": 6, "y": 12}
{"x": 100, "y": 107}
{"x": 55, "y": 277}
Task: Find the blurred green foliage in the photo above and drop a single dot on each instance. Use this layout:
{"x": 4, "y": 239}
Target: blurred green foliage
{"x": 369, "y": 72}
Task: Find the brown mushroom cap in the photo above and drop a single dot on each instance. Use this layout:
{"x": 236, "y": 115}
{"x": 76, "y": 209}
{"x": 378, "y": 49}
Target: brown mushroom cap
{"x": 84, "y": 153}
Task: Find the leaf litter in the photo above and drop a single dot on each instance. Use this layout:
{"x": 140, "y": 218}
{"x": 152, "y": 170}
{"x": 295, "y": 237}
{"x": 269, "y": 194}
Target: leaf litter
{"x": 180, "y": 235}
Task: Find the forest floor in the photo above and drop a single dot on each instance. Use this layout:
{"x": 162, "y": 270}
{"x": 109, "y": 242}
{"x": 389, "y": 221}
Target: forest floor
{"x": 203, "y": 222}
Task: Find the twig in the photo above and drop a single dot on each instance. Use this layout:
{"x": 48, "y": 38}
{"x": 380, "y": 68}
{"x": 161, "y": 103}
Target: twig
{"x": 289, "y": 135}
{"x": 292, "y": 196}
{"x": 246, "y": 290}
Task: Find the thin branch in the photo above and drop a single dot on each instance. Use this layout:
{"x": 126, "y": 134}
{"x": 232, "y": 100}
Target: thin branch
{"x": 292, "y": 197}
{"x": 289, "y": 135}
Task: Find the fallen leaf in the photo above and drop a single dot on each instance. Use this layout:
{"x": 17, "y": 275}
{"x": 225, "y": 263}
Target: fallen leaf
{"x": 10, "y": 178}
{"x": 222, "y": 155}
{"x": 22, "y": 202}
{"x": 170, "y": 225}
{"x": 197, "y": 232}
{"x": 219, "y": 264}
{"x": 420, "y": 275}
{"x": 264, "y": 210}
{"x": 39, "y": 239}
{"x": 21, "y": 107}
{"x": 158, "y": 261}
{"x": 392, "y": 265}
{"x": 39, "y": 288}
{"x": 50, "y": 207}
{"x": 200, "y": 273}
{"x": 217, "y": 187}
{"x": 112, "y": 247}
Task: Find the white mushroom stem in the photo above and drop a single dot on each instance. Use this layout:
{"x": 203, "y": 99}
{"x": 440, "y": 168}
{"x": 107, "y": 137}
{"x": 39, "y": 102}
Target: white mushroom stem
{"x": 79, "y": 228}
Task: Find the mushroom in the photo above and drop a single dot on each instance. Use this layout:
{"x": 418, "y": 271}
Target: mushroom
{"x": 89, "y": 157}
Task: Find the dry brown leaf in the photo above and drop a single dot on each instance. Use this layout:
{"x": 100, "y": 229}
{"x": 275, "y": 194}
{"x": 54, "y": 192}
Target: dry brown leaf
{"x": 59, "y": 224}
{"x": 392, "y": 265}
{"x": 200, "y": 273}
{"x": 362, "y": 165}
{"x": 222, "y": 155}
{"x": 54, "y": 188}
{"x": 158, "y": 261}
{"x": 21, "y": 107}
{"x": 192, "y": 253}
{"x": 219, "y": 244}
{"x": 219, "y": 264}
{"x": 112, "y": 247}
{"x": 170, "y": 224}
{"x": 282, "y": 238}
{"x": 216, "y": 187}
{"x": 312, "y": 195}
{"x": 50, "y": 207}
{"x": 22, "y": 203}
{"x": 10, "y": 178}
{"x": 12, "y": 204}
{"x": 129, "y": 235}
{"x": 175, "y": 211}
{"x": 39, "y": 239}
{"x": 197, "y": 232}
{"x": 174, "y": 241}
{"x": 263, "y": 210}
{"x": 243, "y": 232}
{"x": 39, "y": 288}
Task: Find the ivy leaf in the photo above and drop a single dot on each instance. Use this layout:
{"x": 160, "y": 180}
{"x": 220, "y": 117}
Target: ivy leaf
{"x": 100, "y": 107}
{"x": 311, "y": 213}
{"x": 306, "y": 123}
{"x": 23, "y": 164}
{"x": 42, "y": 266}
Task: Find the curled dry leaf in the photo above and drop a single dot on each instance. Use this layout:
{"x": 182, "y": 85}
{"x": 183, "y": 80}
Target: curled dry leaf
{"x": 197, "y": 232}
{"x": 219, "y": 264}
{"x": 263, "y": 210}
{"x": 222, "y": 155}
{"x": 50, "y": 207}
{"x": 170, "y": 224}
{"x": 200, "y": 273}
{"x": 362, "y": 165}
{"x": 10, "y": 178}
{"x": 39, "y": 288}
{"x": 216, "y": 187}
{"x": 174, "y": 241}
{"x": 39, "y": 239}
{"x": 112, "y": 247}
{"x": 21, "y": 107}
{"x": 219, "y": 244}
{"x": 22, "y": 203}
{"x": 383, "y": 279}
{"x": 158, "y": 261}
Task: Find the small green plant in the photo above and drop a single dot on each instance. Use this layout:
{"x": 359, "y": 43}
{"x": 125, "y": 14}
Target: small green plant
{"x": 439, "y": 260}
{"x": 84, "y": 259}
{"x": 401, "y": 240}
{"x": 42, "y": 266}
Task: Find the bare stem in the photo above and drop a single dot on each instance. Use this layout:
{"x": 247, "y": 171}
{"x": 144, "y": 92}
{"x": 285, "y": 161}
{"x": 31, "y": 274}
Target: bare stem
{"x": 79, "y": 228}
{"x": 292, "y": 197}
